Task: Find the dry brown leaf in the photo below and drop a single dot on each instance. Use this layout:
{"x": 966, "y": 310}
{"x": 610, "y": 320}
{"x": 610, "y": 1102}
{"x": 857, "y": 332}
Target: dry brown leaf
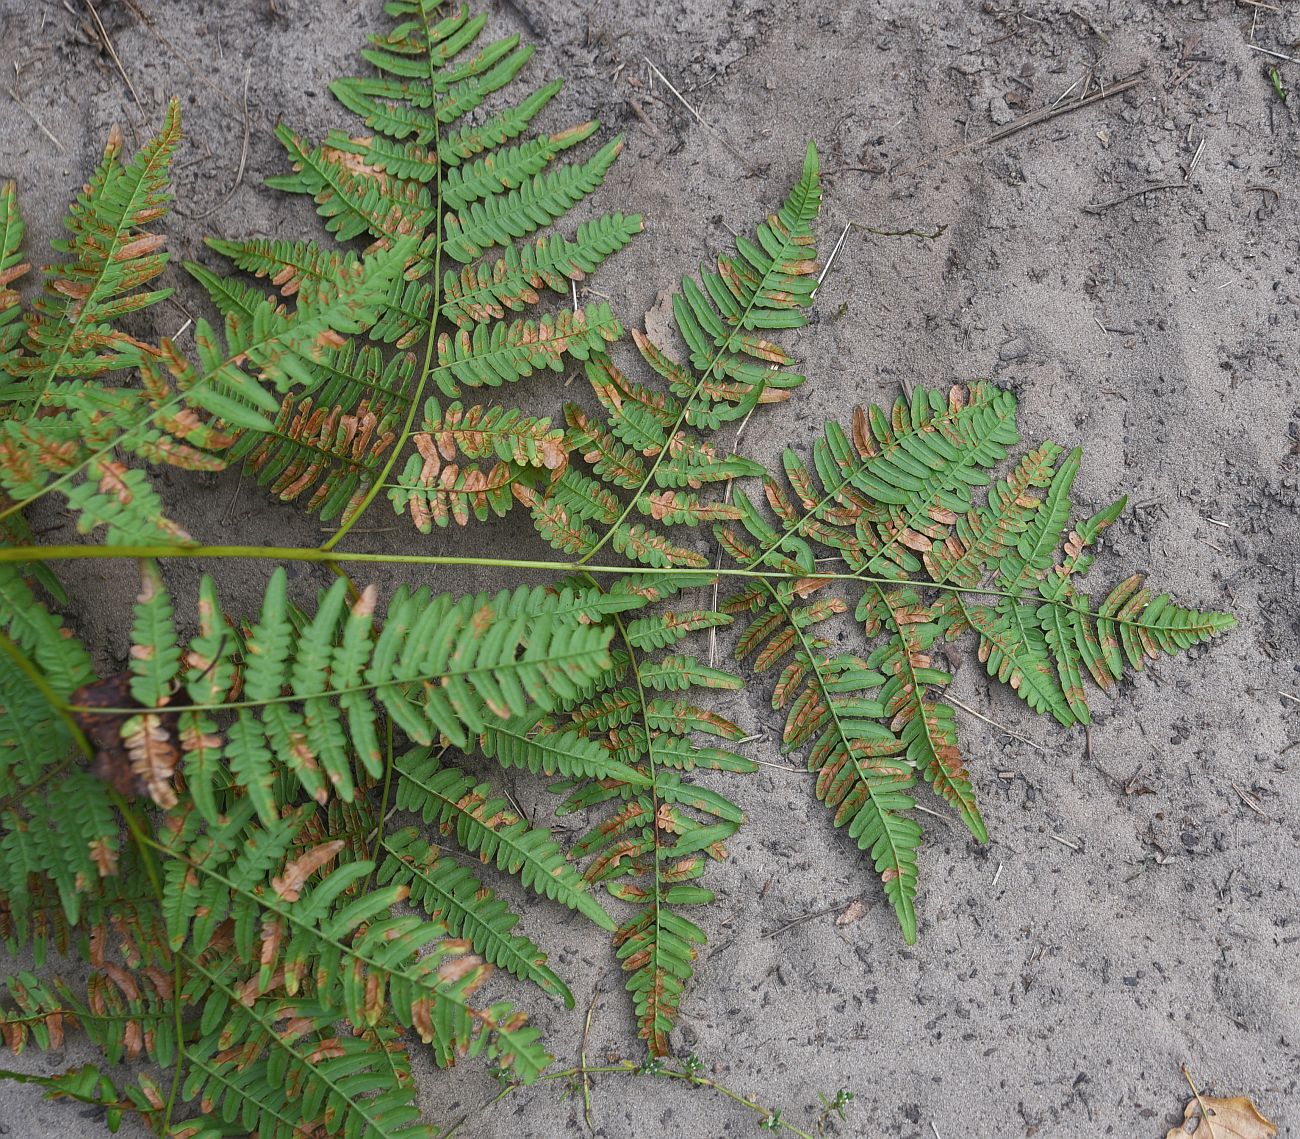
{"x": 661, "y": 327}
{"x": 289, "y": 886}
{"x": 1232, "y": 1118}
{"x": 152, "y": 754}
{"x": 856, "y": 910}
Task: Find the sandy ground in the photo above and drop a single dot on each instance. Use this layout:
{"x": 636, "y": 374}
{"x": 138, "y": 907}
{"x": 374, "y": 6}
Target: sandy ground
{"x": 1133, "y": 912}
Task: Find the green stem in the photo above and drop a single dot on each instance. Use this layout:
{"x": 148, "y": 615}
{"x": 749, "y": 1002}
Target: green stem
{"x": 27, "y": 554}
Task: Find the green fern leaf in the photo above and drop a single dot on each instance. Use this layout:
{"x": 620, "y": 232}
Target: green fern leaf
{"x": 484, "y": 825}
{"x": 452, "y": 895}
{"x": 114, "y": 255}
{"x": 508, "y": 353}
{"x": 12, "y": 267}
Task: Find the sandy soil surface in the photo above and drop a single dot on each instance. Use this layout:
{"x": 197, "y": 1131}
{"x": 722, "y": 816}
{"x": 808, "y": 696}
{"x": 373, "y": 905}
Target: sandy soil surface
{"x": 1135, "y": 910}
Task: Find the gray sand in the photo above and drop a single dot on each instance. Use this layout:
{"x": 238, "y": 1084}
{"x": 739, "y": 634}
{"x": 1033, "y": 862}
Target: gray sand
{"x": 1058, "y": 985}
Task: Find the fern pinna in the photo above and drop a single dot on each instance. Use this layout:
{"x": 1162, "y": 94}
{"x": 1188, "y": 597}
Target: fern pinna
{"x": 891, "y": 499}
{"x": 476, "y": 196}
{"x": 255, "y": 910}
{"x": 69, "y": 418}
{"x": 649, "y": 452}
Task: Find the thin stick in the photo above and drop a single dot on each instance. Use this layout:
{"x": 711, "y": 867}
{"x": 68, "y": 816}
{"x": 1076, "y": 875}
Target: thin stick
{"x": 112, "y": 51}
{"x": 696, "y": 114}
{"x": 1033, "y": 119}
{"x": 1041, "y": 116}
{"x": 1274, "y": 54}
{"x": 36, "y": 119}
{"x": 806, "y": 917}
{"x": 993, "y": 723}
{"x": 782, "y": 767}
{"x": 1289, "y": 696}
{"x": 835, "y": 252}
{"x": 1102, "y": 207}
{"x": 928, "y": 811}
{"x": 938, "y": 232}
{"x": 243, "y": 157}
{"x": 1250, "y": 802}
{"x": 582, "y": 1061}
{"x": 1063, "y": 842}
{"x": 1200, "y": 1102}
{"x": 1066, "y": 93}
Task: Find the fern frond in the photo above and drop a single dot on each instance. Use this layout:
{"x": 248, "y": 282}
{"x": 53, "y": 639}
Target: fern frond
{"x": 424, "y": 179}
{"x": 762, "y": 289}
{"x": 508, "y": 353}
{"x": 502, "y": 217}
{"x": 892, "y": 498}
{"x": 70, "y": 332}
{"x": 303, "y": 930}
{"x": 61, "y": 417}
{"x": 490, "y": 288}
{"x": 293, "y": 1068}
{"x": 664, "y": 827}
{"x": 278, "y": 348}
{"x": 57, "y": 831}
{"x": 327, "y": 448}
{"x": 437, "y": 666}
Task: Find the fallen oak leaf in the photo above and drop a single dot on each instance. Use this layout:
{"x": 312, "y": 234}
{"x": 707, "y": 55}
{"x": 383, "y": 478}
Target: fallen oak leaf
{"x": 1235, "y": 1117}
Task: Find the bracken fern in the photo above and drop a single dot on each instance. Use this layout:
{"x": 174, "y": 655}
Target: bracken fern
{"x": 212, "y": 829}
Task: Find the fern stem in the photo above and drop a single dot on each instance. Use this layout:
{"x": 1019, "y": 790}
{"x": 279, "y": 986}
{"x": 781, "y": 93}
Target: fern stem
{"x": 28, "y": 554}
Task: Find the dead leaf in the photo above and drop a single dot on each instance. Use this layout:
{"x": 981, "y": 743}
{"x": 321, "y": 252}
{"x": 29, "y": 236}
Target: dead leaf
{"x": 856, "y": 910}
{"x": 151, "y": 752}
{"x": 289, "y": 887}
{"x": 1233, "y": 1118}
{"x": 661, "y": 327}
